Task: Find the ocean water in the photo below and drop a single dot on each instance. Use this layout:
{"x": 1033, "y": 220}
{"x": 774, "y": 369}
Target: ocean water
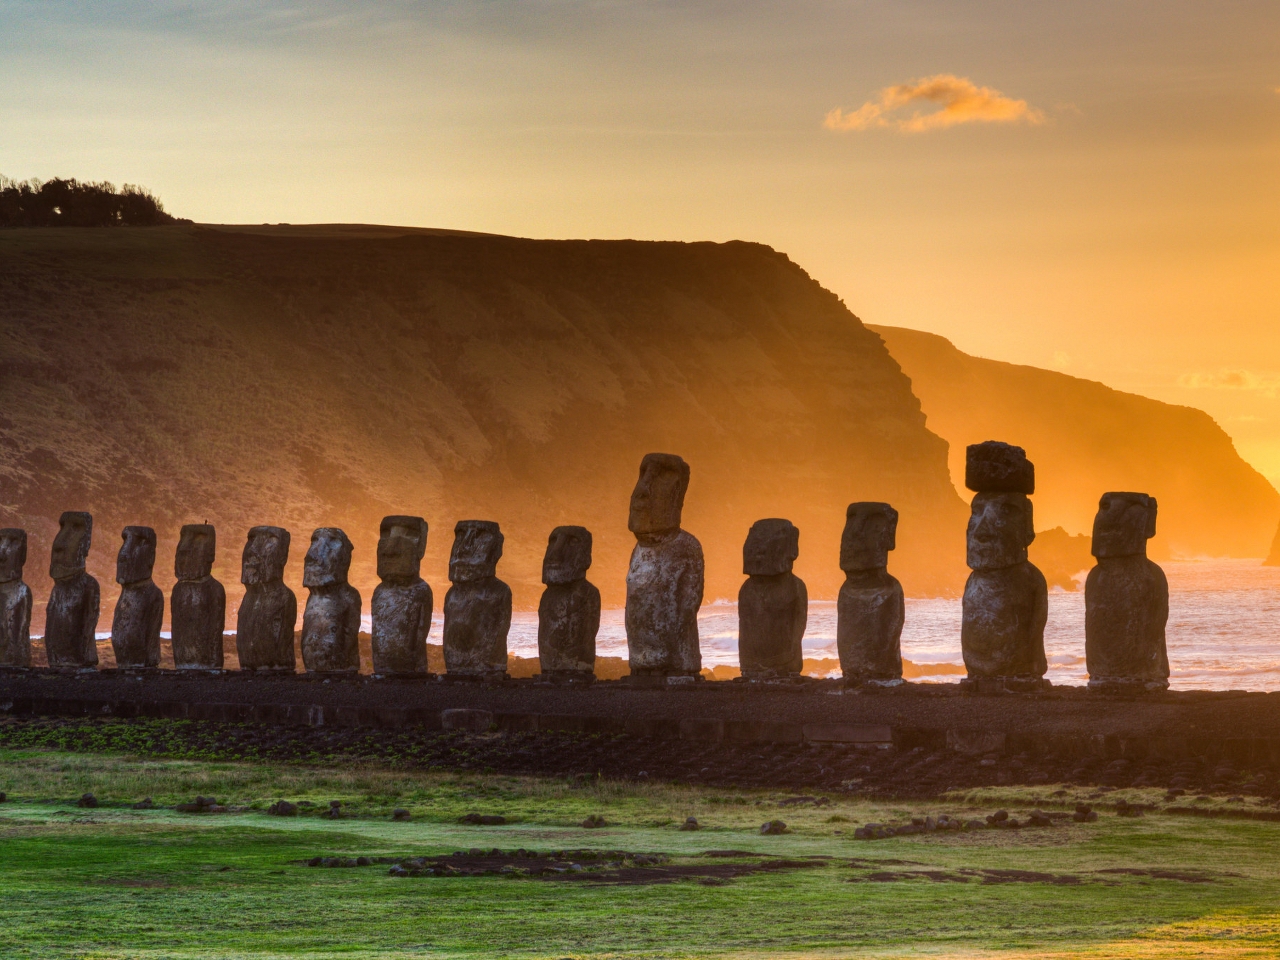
{"x": 1223, "y": 633}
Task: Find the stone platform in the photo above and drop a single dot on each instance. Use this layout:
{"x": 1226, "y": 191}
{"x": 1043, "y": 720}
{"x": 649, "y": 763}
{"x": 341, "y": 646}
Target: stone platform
{"x": 1238, "y": 726}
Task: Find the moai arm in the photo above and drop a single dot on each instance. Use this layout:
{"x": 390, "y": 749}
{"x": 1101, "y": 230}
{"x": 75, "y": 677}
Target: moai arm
{"x": 353, "y": 619}
{"x": 802, "y": 608}
{"x": 424, "y": 614}
{"x": 289, "y": 623}
{"x": 593, "y": 611}
{"x": 92, "y": 609}
{"x": 690, "y": 583}
{"x": 155, "y": 615}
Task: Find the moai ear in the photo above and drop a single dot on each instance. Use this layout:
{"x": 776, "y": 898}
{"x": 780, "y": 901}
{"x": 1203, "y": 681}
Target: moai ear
{"x": 1029, "y": 514}
{"x": 1151, "y": 517}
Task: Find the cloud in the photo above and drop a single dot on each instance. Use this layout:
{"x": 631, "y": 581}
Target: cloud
{"x": 1268, "y": 383}
{"x": 959, "y": 99}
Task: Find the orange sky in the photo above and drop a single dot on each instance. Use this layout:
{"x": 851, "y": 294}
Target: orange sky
{"x": 1093, "y": 187}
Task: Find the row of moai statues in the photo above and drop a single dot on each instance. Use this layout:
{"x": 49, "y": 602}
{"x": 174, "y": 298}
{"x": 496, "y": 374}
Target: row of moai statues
{"x": 1005, "y": 605}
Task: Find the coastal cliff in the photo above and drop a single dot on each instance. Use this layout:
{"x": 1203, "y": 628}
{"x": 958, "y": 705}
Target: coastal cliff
{"x": 327, "y": 376}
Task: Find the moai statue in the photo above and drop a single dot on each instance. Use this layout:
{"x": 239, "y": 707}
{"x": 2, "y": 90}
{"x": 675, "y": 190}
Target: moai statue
{"x": 71, "y": 616}
{"x": 331, "y": 621}
{"x": 135, "y": 628}
{"x": 664, "y": 582}
{"x": 15, "y": 601}
{"x": 1006, "y": 599}
{"x": 477, "y": 608}
{"x": 402, "y": 602}
{"x": 1126, "y": 598}
{"x": 269, "y": 610}
{"x": 569, "y": 611}
{"x": 870, "y": 610}
{"x": 198, "y": 605}
{"x": 773, "y": 604}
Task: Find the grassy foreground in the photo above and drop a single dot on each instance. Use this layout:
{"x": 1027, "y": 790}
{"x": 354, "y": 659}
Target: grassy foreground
{"x": 114, "y": 882}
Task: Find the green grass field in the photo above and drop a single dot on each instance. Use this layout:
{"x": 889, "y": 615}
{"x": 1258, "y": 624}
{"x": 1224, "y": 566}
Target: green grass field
{"x": 113, "y": 882}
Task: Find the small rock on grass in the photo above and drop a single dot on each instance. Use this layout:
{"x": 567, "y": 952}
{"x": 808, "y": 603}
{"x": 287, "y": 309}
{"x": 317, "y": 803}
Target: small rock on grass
{"x": 87, "y": 800}
{"x": 283, "y": 808}
{"x": 1084, "y": 813}
{"x": 594, "y": 822}
{"x": 399, "y": 814}
{"x": 690, "y": 824}
{"x": 144, "y": 804}
{"x": 773, "y": 828}
{"x": 483, "y": 819}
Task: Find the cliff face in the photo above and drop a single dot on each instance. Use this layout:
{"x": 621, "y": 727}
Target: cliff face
{"x": 1086, "y": 439}
{"x": 306, "y": 377}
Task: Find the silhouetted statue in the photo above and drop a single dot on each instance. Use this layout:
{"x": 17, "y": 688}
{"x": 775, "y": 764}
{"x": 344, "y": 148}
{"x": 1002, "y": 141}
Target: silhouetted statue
{"x": 198, "y": 605}
{"x": 402, "y": 602}
{"x": 139, "y": 615}
{"x": 1006, "y": 601}
{"x": 1126, "y": 598}
{"x": 15, "y": 600}
{"x": 71, "y": 616}
{"x": 870, "y": 610}
{"x": 269, "y": 610}
{"x": 569, "y": 611}
{"x": 664, "y": 582}
{"x": 331, "y": 620}
{"x": 773, "y": 604}
{"x": 477, "y": 608}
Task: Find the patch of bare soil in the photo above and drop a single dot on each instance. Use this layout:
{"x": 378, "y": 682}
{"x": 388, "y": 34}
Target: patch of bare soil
{"x": 618, "y": 867}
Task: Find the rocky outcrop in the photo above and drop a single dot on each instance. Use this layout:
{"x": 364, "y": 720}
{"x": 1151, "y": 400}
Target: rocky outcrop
{"x": 331, "y": 377}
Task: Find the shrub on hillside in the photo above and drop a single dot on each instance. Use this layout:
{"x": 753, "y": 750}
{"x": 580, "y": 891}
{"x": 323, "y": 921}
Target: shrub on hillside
{"x": 70, "y": 203}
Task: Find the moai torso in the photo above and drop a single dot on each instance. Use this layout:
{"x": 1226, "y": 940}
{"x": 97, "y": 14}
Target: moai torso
{"x": 331, "y": 621}
{"x": 198, "y": 604}
{"x": 15, "y": 601}
{"x": 773, "y": 604}
{"x": 269, "y": 610}
{"x": 402, "y": 602}
{"x": 569, "y": 611}
{"x": 477, "y": 608}
{"x": 870, "y": 609}
{"x": 665, "y": 579}
{"x": 139, "y": 614}
{"x": 1006, "y": 599}
{"x": 1126, "y": 597}
{"x": 71, "y": 615}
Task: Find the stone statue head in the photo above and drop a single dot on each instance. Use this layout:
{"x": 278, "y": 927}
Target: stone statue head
{"x": 196, "y": 546}
{"x": 401, "y": 543}
{"x": 995, "y": 467}
{"x": 137, "y": 556}
{"x": 71, "y": 545}
{"x": 477, "y": 548}
{"x": 771, "y": 548}
{"x": 870, "y": 532}
{"x": 265, "y": 554}
{"x": 1123, "y": 525}
{"x": 13, "y": 553}
{"x": 1000, "y": 530}
{"x": 328, "y": 558}
{"x": 658, "y": 498}
{"x": 568, "y": 555}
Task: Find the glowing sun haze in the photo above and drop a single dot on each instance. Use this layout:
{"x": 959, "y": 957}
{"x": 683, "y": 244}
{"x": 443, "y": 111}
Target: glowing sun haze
{"x": 1090, "y": 187}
